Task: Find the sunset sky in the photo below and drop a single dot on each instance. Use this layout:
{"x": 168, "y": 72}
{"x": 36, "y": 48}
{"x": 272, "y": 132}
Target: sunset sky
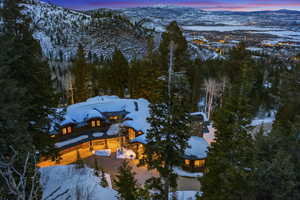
{"x": 236, "y": 5}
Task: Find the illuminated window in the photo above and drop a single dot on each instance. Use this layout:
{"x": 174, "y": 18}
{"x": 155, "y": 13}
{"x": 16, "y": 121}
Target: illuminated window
{"x": 64, "y": 131}
{"x": 53, "y": 136}
{"x": 114, "y": 117}
{"x": 199, "y": 163}
{"x": 93, "y": 123}
{"x": 131, "y": 134}
{"x": 69, "y": 129}
{"x": 98, "y": 123}
{"x": 139, "y": 133}
{"x": 187, "y": 162}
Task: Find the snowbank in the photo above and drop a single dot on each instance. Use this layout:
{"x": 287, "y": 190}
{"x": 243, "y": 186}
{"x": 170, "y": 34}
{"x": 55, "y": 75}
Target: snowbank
{"x": 67, "y": 182}
{"x": 181, "y": 172}
{"x": 258, "y": 122}
{"x": 186, "y": 195}
{"x": 125, "y": 154}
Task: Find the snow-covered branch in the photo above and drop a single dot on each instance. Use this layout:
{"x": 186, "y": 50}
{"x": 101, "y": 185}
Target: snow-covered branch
{"x": 16, "y": 181}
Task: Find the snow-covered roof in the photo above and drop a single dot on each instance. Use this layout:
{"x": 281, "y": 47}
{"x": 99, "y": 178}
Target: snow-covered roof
{"x": 140, "y": 139}
{"x": 93, "y": 114}
{"x": 137, "y": 110}
{"x": 200, "y": 113}
{"x": 67, "y": 120}
{"x": 198, "y": 148}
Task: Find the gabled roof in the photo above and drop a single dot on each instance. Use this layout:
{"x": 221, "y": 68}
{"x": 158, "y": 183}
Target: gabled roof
{"x": 137, "y": 110}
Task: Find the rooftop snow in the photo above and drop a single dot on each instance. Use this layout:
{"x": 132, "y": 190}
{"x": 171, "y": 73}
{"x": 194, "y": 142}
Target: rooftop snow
{"x": 198, "y": 147}
{"x": 137, "y": 109}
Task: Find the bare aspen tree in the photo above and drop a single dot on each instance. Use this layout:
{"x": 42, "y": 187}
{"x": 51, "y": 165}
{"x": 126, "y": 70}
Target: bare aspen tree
{"x": 17, "y": 182}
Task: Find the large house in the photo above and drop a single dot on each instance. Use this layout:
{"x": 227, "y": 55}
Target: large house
{"x": 108, "y": 122}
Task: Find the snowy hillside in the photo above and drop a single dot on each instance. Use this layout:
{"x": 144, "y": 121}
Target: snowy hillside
{"x": 67, "y": 182}
{"x": 60, "y": 30}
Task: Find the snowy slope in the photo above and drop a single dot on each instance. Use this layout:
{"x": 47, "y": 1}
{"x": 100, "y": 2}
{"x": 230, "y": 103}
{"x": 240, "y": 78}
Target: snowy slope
{"x": 67, "y": 182}
{"x": 60, "y": 30}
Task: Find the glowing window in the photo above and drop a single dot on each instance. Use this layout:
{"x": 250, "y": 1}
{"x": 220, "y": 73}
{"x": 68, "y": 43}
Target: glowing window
{"x": 98, "y": 123}
{"x": 187, "y": 162}
{"x": 69, "y": 129}
{"x": 139, "y": 133}
{"x": 131, "y": 134}
{"x": 199, "y": 163}
{"x": 64, "y": 131}
{"x": 114, "y": 117}
{"x": 93, "y": 123}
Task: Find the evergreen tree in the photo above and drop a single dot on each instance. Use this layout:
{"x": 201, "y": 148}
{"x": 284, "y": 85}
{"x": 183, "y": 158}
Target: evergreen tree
{"x": 82, "y": 76}
{"x": 277, "y": 162}
{"x": 119, "y": 73}
{"x": 145, "y": 81}
{"x": 277, "y": 157}
{"x": 230, "y": 159}
{"x": 125, "y": 183}
{"x": 166, "y": 143}
{"x": 174, "y": 33}
{"x": 28, "y": 96}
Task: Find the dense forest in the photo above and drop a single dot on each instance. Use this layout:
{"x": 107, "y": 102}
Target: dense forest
{"x": 232, "y": 91}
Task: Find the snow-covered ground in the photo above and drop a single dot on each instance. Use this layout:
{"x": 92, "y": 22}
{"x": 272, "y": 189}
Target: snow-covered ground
{"x": 225, "y": 28}
{"x": 210, "y": 136}
{"x": 71, "y": 141}
{"x": 181, "y": 172}
{"x": 67, "y": 182}
{"x": 104, "y": 152}
{"x": 125, "y": 154}
{"x": 186, "y": 195}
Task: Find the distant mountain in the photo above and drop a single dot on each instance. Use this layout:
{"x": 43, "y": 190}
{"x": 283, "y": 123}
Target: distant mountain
{"x": 60, "y": 30}
{"x": 159, "y": 16}
{"x": 264, "y": 12}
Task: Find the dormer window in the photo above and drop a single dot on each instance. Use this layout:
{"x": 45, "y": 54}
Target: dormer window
{"x": 139, "y": 133}
{"x": 66, "y": 130}
{"x": 96, "y": 123}
{"x": 114, "y": 118}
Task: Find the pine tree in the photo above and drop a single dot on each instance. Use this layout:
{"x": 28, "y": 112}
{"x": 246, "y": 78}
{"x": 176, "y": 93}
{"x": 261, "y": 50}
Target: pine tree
{"x": 276, "y": 154}
{"x": 277, "y": 162}
{"x": 30, "y": 71}
{"x": 230, "y": 159}
{"x": 166, "y": 143}
{"x": 174, "y": 33}
{"x": 125, "y": 183}
{"x": 25, "y": 116}
{"x": 82, "y": 76}
{"x": 145, "y": 82}
{"x": 119, "y": 73}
